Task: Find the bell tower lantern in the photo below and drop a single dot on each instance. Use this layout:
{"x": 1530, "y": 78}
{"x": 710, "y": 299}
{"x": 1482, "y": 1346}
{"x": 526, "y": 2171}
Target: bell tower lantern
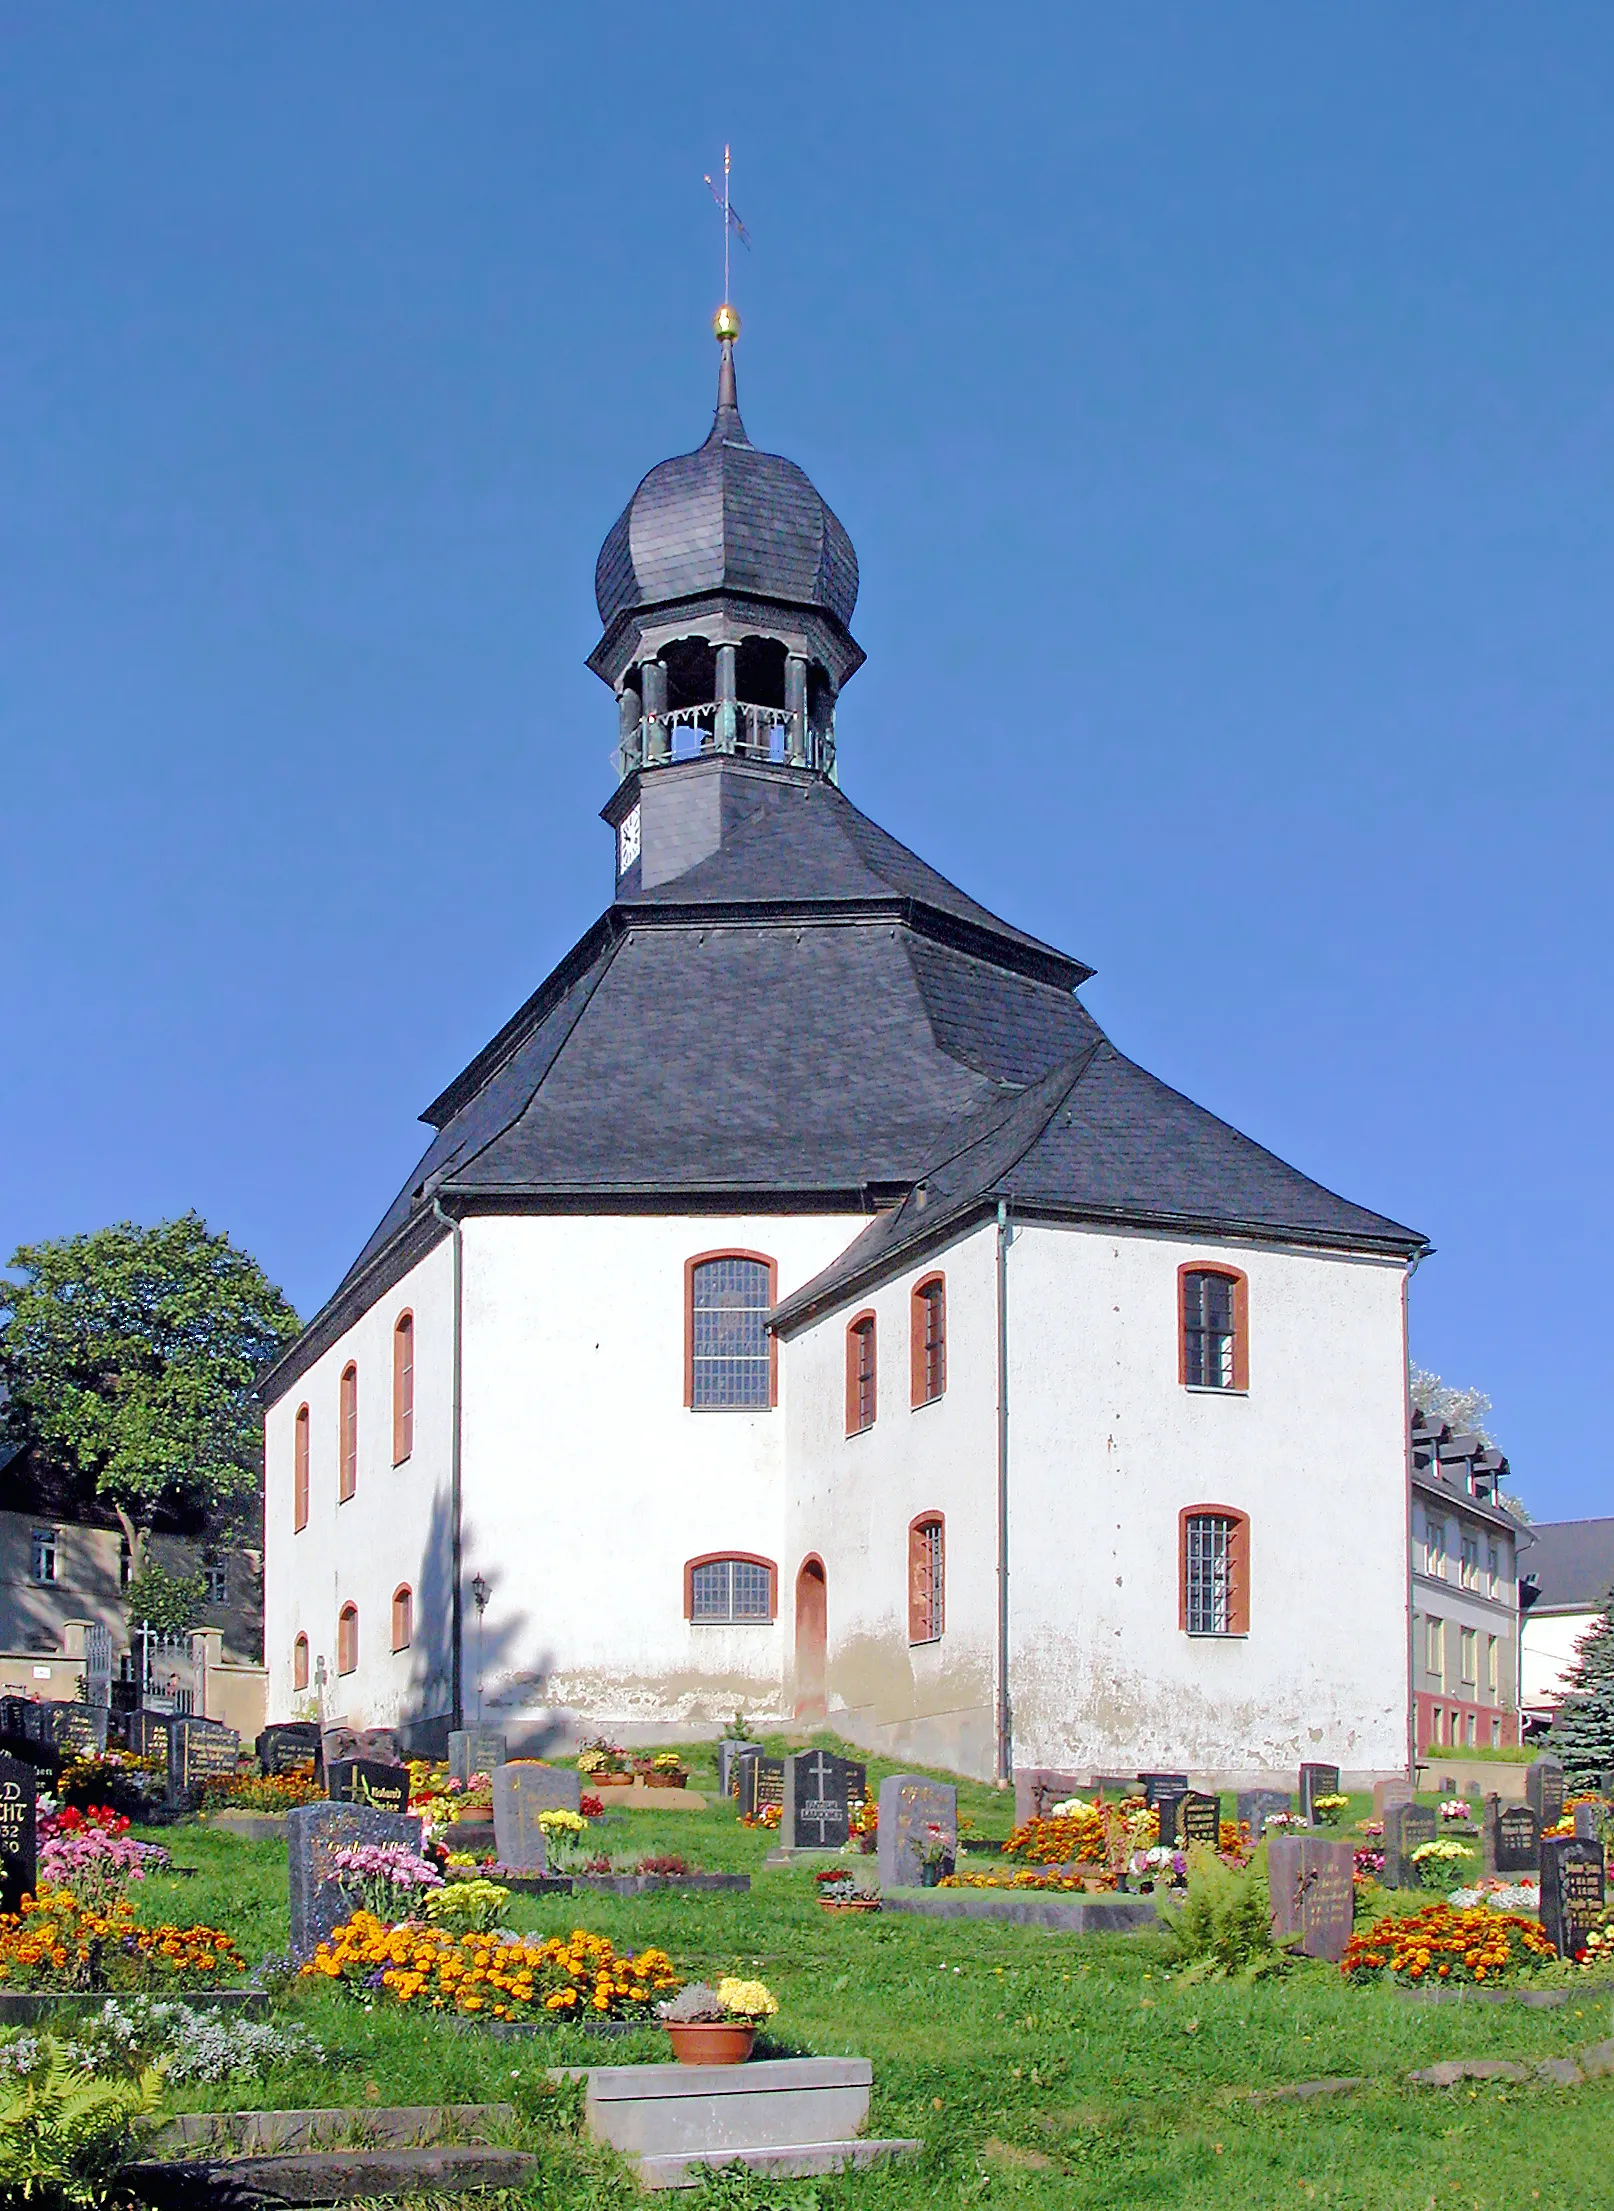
{"x": 725, "y": 588}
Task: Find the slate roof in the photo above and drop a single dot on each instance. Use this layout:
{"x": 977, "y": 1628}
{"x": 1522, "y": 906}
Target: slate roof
{"x": 727, "y": 517}
{"x": 1572, "y": 1564}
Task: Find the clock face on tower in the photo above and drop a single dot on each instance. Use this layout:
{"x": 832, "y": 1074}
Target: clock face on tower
{"x": 627, "y": 842}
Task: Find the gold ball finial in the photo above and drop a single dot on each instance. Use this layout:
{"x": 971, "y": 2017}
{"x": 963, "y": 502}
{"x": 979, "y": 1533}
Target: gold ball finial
{"x": 725, "y": 323}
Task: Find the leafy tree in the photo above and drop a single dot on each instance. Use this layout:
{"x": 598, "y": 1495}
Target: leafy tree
{"x": 1583, "y": 1728}
{"x": 1465, "y": 1411}
{"x": 170, "y": 1603}
{"x": 127, "y": 1360}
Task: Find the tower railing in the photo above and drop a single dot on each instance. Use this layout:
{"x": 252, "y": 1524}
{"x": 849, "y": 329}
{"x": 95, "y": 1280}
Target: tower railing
{"x": 732, "y": 726}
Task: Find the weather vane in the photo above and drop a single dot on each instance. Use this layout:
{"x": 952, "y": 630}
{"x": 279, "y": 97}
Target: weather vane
{"x": 731, "y": 223}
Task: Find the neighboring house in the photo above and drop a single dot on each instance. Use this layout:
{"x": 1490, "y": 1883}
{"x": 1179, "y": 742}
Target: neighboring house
{"x": 803, "y": 1305}
{"x": 1565, "y": 1591}
{"x": 1465, "y": 1604}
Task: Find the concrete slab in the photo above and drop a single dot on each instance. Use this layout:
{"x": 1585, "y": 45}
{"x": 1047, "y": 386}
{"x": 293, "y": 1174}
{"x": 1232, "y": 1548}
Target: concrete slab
{"x": 1075, "y": 1915}
{"x": 397, "y": 2126}
{"x": 691, "y": 2110}
{"x": 798, "y": 2161}
{"x": 330, "y": 2176}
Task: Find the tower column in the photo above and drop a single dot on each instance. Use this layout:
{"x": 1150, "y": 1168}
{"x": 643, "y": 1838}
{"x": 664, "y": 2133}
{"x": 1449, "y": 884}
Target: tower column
{"x": 630, "y": 738}
{"x": 657, "y": 736}
{"x": 725, "y": 698}
{"x": 796, "y": 708}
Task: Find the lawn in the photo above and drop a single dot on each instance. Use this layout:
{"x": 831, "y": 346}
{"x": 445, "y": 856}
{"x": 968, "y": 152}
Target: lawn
{"x": 1041, "y": 2069}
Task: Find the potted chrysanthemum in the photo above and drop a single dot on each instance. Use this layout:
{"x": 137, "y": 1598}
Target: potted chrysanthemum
{"x": 716, "y": 2026}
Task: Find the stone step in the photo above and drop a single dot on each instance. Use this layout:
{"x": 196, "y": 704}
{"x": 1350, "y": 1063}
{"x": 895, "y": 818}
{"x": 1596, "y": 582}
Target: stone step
{"x": 1077, "y": 1915}
{"x": 696, "y": 2110}
{"x": 362, "y": 2126}
{"x": 796, "y": 2161}
{"x": 329, "y": 2176}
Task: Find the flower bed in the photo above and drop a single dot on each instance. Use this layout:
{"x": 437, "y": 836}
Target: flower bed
{"x": 1446, "y": 1943}
{"x": 506, "y": 1976}
{"x": 252, "y": 1792}
{"x": 1099, "y": 1834}
{"x": 126, "y": 1781}
{"x": 96, "y": 1862}
{"x": 57, "y": 1942}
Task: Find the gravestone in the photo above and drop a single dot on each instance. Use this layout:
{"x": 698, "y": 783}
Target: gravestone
{"x": 520, "y": 1793}
{"x": 1201, "y": 1819}
{"x": 818, "y": 1795}
{"x": 336, "y": 1742}
{"x": 912, "y": 1807}
{"x": 1257, "y": 1806}
{"x": 78, "y": 1730}
{"x": 1157, "y": 1785}
{"x": 545, "y": 1788}
{"x": 1544, "y": 1791}
{"x": 1572, "y": 1878}
{"x": 380, "y": 1744}
{"x": 1037, "y": 1789}
{"x": 18, "y": 1861}
{"x": 1316, "y": 1781}
{"x": 474, "y": 1750}
{"x": 1313, "y": 1893}
{"x": 729, "y": 1753}
{"x": 1588, "y": 1823}
{"x": 197, "y": 1751}
{"x": 1407, "y": 1827}
{"x": 1168, "y": 1809}
{"x": 368, "y": 1781}
{"x": 1115, "y": 1786}
{"x": 319, "y": 1902}
{"x": 1396, "y": 1790}
{"x": 762, "y": 1782}
{"x": 1512, "y": 1838}
{"x": 148, "y": 1734}
{"x": 286, "y": 1745}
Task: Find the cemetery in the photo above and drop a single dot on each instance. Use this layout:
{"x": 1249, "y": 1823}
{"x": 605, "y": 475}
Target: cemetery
{"x": 455, "y": 1977}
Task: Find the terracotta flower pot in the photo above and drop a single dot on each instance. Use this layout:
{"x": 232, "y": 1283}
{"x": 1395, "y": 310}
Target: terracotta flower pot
{"x": 665, "y": 1780}
{"x": 711, "y": 2041}
{"x": 850, "y": 1903}
{"x": 609, "y": 1780}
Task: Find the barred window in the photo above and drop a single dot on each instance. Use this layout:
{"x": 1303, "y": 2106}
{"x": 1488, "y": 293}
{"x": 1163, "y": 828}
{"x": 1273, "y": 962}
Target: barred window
{"x": 731, "y": 1361}
{"x": 44, "y": 1555}
{"x": 1209, "y": 1334}
{"x": 929, "y": 1341}
{"x": 927, "y": 1580}
{"x": 723, "y": 1590}
{"x": 1208, "y": 1609}
{"x": 860, "y": 1375}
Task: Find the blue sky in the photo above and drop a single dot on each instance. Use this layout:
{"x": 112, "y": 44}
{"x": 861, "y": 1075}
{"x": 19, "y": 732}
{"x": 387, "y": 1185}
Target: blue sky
{"x": 1221, "y": 402}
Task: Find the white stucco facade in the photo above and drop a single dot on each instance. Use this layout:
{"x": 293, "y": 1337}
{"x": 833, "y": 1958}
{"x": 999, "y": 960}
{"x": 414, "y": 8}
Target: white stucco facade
{"x": 1547, "y": 1654}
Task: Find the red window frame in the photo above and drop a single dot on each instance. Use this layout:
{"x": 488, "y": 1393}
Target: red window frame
{"x": 740, "y": 1558}
{"x": 927, "y": 1578}
{"x": 347, "y": 1639}
{"x": 403, "y": 1617}
{"x": 347, "y": 1434}
{"x": 1238, "y": 1564}
{"x": 403, "y": 1387}
{"x": 1241, "y": 1322}
{"x": 299, "y": 1663}
{"x": 299, "y": 1470}
{"x": 927, "y": 1341}
{"x": 862, "y": 1373}
{"x": 700, "y": 1259}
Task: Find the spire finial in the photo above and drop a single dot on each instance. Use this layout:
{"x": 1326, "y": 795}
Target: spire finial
{"x": 726, "y": 323}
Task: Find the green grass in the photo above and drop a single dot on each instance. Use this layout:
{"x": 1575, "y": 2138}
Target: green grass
{"x": 1042, "y": 2070}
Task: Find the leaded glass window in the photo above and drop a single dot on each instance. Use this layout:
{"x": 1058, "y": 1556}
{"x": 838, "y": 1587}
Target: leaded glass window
{"x": 730, "y": 1363}
{"x": 731, "y": 1589}
{"x": 1209, "y": 1574}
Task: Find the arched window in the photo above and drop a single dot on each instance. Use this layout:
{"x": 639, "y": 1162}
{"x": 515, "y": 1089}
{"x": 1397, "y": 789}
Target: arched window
{"x": 730, "y": 1588}
{"x": 403, "y": 1388}
{"x": 860, "y": 1380}
{"x": 1213, "y": 1570}
{"x": 730, "y": 1358}
{"x": 299, "y": 1469}
{"x": 348, "y": 1435}
{"x": 1213, "y": 1342}
{"x": 403, "y": 1617}
{"x": 927, "y": 1340}
{"x": 299, "y": 1663}
{"x": 347, "y": 1640}
{"x": 927, "y": 1578}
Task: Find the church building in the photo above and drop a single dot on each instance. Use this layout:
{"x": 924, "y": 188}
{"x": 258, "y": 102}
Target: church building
{"x": 803, "y": 1307}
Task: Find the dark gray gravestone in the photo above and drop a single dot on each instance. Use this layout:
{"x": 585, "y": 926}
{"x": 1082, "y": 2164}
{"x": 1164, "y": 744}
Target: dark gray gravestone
{"x": 1202, "y": 1819}
{"x": 286, "y": 1745}
{"x": 762, "y": 1782}
{"x": 1316, "y": 1781}
{"x": 1406, "y": 1828}
{"x": 916, "y": 1813}
{"x": 380, "y": 1744}
{"x": 18, "y": 1863}
{"x": 148, "y": 1734}
{"x": 1396, "y": 1790}
{"x": 78, "y": 1730}
{"x": 729, "y": 1752}
{"x": 1157, "y": 1785}
{"x": 319, "y": 1902}
{"x": 1544, "y": 1790}
{"x": 200, "y": 1750}
{"x": 819, "y": 1793}
{"x": 339, "y": 1742}
{"x": 1168, "y": 1812}
{"x": 368, "y": 1781}
{"x": 1257, "y": 1806}
{"x": 474, "y": 1750}
{"x": 521, "y": 1792}
{"x": 1512, "y": 1837}
{"x": 1588, "y": 1823}
{"x": 1572, "y": 1877}
{"x": 546, "y": 1788}
{"x": 1313, "y": 1892}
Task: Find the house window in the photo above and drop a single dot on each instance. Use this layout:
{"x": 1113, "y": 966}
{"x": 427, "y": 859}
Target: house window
{"x": 729, "y": 1356}
{"x": 735, "y": 1590}
{"x": 348, "y": 1438}
{"x": 860, "y": 1382}
{"x": 928, "y": 1340}
{"x": 1435, "y": 1548}
{"x": 1213, "y": 1347}
{"x": 299, "y": 1470}
{"x": 1469, "y": 1652}
{"x": 1490, "y": 1664}
{"x": 1493, "y": 1572}
{"x": 215, "y": 1581}
{"x": 299, "y": 1663}
{"x": 1468, "y": 1571}
{"x": 1496, "y": 1734}
{"x": 43, "y": 1567}
{"x": 125, "y": 1562}
{"x": 927, "y": 1579}
{"x": 1434, "y": 1649}
{"x": 347, "y": 1640}
{"x": 1213, "y": 1571}
{"x": 403, "y": 1617}
{"x": 403, "y": 1388}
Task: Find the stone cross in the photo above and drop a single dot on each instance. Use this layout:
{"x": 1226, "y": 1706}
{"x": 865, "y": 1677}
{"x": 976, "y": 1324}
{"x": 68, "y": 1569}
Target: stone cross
{"x": 1313, "y": 1893}
{"x": 319, "y": 1901}
{"x": 912, "y": 1810}
{"x": 18, "y": 1862}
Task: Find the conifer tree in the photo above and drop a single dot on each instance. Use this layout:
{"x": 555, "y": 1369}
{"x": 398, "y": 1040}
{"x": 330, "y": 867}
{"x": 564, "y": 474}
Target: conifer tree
{"x": 1583, "y": 1731}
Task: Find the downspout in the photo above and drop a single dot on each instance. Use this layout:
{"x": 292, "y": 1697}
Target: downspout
{"x": 1005, "y": 1718}
{"x": 455, "y": 1603}
{"x": 1406, "y": 1370}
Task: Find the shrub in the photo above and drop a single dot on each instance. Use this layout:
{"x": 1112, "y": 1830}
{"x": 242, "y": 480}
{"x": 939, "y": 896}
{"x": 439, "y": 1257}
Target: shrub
{"x": 1223, "y": 1926}
{"x": 63, "y": 2135}
{"x": 133, "y": 2033}
{"x": 1447, "y": 1943}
